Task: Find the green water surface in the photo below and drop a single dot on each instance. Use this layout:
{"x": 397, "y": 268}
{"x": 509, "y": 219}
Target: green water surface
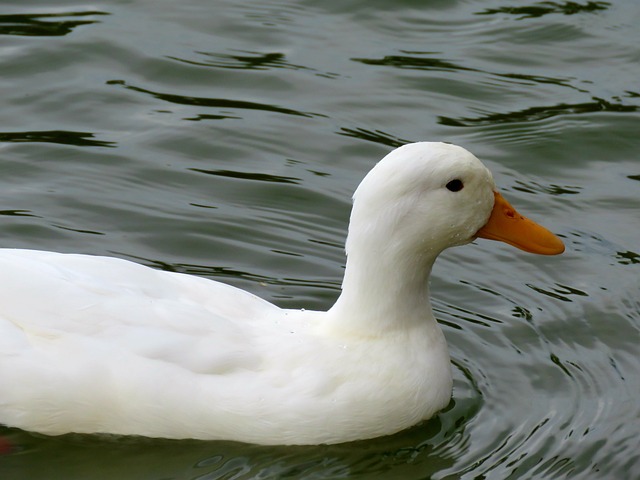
{"x": 224, "y": 139}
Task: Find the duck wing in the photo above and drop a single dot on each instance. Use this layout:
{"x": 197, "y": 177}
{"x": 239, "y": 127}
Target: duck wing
{"x": 52, "y": 301}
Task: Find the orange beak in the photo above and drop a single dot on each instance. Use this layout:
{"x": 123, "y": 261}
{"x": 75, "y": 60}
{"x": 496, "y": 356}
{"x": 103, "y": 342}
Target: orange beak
{"x": 507, "y": 225}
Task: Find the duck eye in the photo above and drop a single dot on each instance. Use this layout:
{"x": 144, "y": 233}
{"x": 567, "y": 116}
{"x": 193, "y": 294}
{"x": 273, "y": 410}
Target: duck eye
{"x": 455, "y": 185}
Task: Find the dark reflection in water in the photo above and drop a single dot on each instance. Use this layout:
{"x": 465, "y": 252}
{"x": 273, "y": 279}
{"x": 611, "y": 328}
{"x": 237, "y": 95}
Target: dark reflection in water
{"x": 78, "y": 230}
{"x": 539, "y": 9}
{"x": 214, "y": 102}
{"x": 44, "y": 24}
{"x": 376, "y": 136}
{"x": 560, "y": 292}
{"x": 535, "y": 187}
{"x": 556, "y": 361}
{"x": 533, "y": 114}
{"x": 522, "y": 312}
{"x": 17, "y": 213}
{"x": 418, "y": 61}
{"x": 628, "y": 258}
{"x": 465, "y": 315}
{"x": 199, "y": 118}
{"x": 262, "y": 177}
{"x": 250, "y": 61}
{"x": 413, "y": 62}
{"x": 64, "y": 137}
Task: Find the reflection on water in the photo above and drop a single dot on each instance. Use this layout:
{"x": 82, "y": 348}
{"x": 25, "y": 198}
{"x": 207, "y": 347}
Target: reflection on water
{"x": 417, "y": 61}
{"x": 79, "y": 139}
{"x": 223, "y": 103}
{"x": 377, "y": 136}
{"x": 249, "y": 61}
{"x": 226, "y": 142}
{"x": 535, "y": 187}
{"x": 44, "y": 24}
{"x": 539, "y": 9}
{"x": 540, "y": 113}
{"x": 261, "y": 177}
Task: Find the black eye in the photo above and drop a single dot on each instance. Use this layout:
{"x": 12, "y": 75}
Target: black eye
{"x": 455, "y": 185}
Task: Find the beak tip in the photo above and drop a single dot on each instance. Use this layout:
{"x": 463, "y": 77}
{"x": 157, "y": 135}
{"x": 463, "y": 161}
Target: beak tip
{"x": 558, "y": 247}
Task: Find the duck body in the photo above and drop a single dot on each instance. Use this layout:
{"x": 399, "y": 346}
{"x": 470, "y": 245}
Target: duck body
{"x": 112, "y": 346}
{"x": 103, "y": 345}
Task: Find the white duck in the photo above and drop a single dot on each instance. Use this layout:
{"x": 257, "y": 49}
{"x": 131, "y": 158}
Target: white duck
{"x": 102, "y": 345}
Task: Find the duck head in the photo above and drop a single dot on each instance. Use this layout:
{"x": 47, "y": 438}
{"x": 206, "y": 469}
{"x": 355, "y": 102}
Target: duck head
{"x": 427, "y": 196}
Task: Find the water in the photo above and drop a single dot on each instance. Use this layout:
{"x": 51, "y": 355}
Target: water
{"x": 224, "y": 139}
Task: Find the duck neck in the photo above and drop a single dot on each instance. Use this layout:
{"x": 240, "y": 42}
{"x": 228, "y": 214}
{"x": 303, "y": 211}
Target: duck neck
{"x": 384, "y": 290}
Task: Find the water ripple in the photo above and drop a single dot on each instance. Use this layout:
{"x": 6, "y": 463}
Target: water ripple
{"x": 416, "y": 60}
{"x": 262, "y": 177}
{"x": 540, "y": 9}
{"x": 17, "y": 213}
{"x": 413, "y": 62}
{"x": 249, "y": 61}
{"x": 628, "y": 258}
{"x": 551, "y": 189}
{"x": 376, "y": 136}
{"x": 64, "y": 137}
{"x": 534, "y": 114}
{"x": 44, "y": 24}
{"x": 214, "y": 102}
